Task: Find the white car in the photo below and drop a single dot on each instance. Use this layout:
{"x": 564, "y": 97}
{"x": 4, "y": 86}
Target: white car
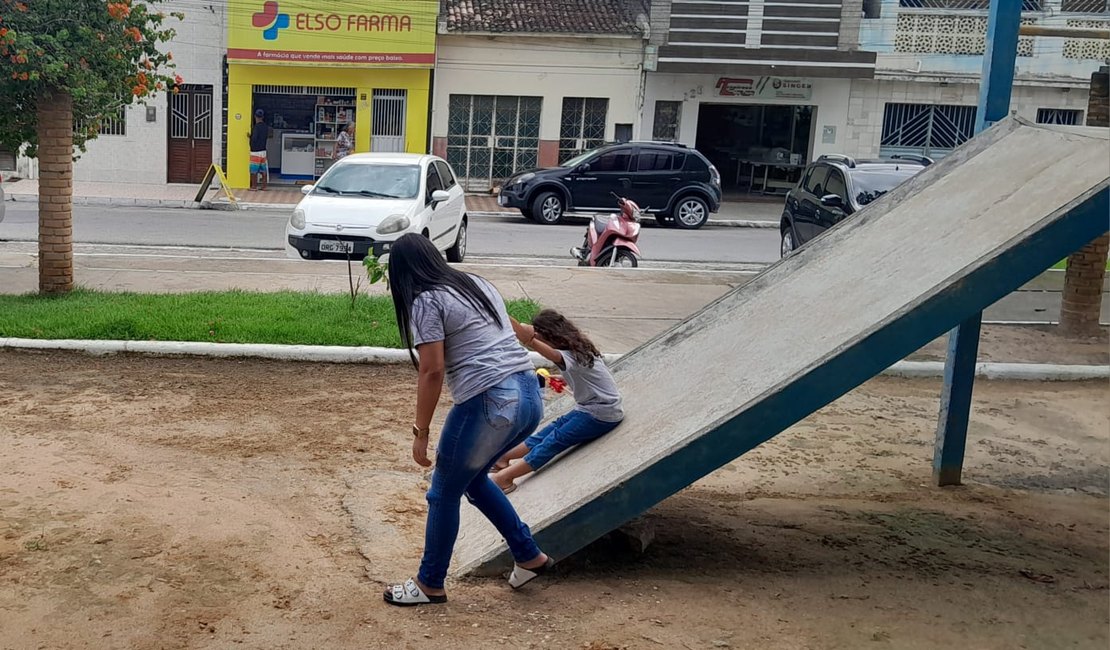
{"x": 366, "y": 201}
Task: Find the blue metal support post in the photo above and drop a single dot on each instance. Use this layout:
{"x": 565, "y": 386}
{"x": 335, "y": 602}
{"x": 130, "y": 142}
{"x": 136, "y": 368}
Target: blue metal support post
{"x": 995, "y": 89}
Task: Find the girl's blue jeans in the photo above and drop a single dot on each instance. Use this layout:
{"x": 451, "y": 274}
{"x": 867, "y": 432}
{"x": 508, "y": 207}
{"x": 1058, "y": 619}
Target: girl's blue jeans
{"x": 574, "y": 428}
{"x": 477, "y": 432}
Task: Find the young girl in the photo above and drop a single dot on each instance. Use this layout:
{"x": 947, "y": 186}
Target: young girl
{"x": 598, "y": 409}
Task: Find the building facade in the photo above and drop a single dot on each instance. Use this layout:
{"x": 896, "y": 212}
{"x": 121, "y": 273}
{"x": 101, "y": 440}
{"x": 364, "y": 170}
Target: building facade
{"x": 315, "y": 69}
{"x": 924, "y": 95}
{"x": 760, "y": 87}
{"x": 527, "y": 84}
{"x": 135, "y": 145}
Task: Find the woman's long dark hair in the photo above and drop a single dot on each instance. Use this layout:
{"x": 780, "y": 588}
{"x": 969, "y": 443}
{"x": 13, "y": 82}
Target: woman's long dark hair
{"x": 415, "y": 266}
{"x": 557, "y": 331}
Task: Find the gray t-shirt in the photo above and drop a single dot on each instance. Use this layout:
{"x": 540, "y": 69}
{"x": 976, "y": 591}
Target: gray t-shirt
{"x": 478, "y": 352}
{"x": 594, "y": 389}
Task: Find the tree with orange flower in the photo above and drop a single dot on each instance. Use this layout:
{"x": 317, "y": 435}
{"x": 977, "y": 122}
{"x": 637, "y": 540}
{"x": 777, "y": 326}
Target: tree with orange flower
{"x": 66, "y": 65}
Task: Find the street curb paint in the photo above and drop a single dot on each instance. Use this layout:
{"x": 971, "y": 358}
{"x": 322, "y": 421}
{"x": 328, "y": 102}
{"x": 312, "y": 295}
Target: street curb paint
{"x": 724, "y": 223}
{"x": 123, "y": 202}
{"x": 116, "y": 202}
{"x": 391, "y": 356}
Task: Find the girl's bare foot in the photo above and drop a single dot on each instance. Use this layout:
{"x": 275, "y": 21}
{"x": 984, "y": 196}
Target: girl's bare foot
{"x": 501, "y": 464}
{"x": 505, "y": 483}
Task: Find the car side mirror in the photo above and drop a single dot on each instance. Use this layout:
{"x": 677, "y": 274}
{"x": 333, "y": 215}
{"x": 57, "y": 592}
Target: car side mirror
{"x": 832, "y": 201}
{"x": 439, "y": 196}
{"x": 583, "y": 168}
{"x": 307, "y": 189}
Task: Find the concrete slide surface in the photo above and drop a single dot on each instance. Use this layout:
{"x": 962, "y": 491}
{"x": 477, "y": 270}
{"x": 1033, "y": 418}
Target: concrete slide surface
{"x": 912, "y": 265}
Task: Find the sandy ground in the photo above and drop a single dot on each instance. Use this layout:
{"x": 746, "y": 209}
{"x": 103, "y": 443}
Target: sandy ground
{"x": 1029, "y": 344}
{"x": 173, "y": 503}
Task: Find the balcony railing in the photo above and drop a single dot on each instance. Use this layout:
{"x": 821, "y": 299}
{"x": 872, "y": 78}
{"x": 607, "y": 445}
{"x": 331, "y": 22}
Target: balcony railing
{"x": 1066, "y": 6}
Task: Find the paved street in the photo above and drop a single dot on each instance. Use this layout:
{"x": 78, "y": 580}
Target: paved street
{"x": 507, "y": 236}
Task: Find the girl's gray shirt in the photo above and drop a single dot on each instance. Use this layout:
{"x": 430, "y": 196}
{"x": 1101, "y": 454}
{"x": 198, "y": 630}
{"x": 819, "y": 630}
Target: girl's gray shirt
{"x": 594, "y": 389}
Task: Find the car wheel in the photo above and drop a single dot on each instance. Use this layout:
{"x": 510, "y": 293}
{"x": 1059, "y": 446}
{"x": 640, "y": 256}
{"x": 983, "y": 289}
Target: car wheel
{"x": 457, "y": 253}
{"x": 690, "y": 213}
{"x": 788, "y": 244}
{"x": 548, "y": 209}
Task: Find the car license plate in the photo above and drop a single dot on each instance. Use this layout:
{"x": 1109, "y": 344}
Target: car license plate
{"x": 335, "y": 246}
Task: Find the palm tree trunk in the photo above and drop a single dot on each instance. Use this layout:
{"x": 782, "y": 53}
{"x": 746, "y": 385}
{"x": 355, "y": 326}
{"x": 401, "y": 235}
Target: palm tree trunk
{"x": 55, "y": 153}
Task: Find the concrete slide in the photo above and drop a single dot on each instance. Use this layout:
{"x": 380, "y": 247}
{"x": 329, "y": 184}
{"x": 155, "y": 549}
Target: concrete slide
{"x": 931, "y": 253}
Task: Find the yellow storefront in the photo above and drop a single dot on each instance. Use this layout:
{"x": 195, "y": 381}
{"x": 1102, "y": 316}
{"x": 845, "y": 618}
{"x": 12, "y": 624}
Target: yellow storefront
{"x": 367, "y": 63}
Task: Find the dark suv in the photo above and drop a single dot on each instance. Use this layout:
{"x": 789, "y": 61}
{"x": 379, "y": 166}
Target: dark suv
{"x": 835, "y": 187}
{"x": 675, "y": 183}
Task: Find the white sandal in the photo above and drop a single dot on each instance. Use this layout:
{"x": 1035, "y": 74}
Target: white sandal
{"x": 521, "y": 576}
{"x": 409, "y": 595}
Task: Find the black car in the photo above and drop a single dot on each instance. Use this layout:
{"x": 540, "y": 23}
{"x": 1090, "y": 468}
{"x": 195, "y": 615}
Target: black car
{"x": 676, "y": 184}
{"x": 835, "y": 187}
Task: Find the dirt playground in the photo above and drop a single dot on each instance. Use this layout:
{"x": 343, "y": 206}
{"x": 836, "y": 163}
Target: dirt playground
{"x": 176, "y": 503}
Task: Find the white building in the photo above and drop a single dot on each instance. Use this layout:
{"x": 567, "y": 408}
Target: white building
{"x": 760, "y": 87}
{"x": 924, "y": 96}
{"x": 174, "y": 138}
{"x": 527, "y": 84}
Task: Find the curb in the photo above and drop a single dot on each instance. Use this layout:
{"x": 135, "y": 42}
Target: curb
{"x": 224, "y": 205}
{"x": 725, "y": 223}
{"x": 314, "y": 353}
{"x": 390, "y": 356}
{"x": 114, "y": 201}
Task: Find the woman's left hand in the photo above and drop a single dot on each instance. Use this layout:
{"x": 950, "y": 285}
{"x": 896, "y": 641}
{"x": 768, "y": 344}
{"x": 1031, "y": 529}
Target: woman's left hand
{"x": 420, "y": 451}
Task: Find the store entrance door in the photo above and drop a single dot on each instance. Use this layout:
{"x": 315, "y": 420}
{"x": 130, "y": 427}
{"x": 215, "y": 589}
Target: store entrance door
{"x": 758, "y": 148}
{"x": 190, "y": 134}
{"x": 387, "y": 131}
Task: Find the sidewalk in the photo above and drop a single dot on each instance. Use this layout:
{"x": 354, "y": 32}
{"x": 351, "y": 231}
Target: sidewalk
{"x": 622, "y": 309}
{"x": 757, "y": 214}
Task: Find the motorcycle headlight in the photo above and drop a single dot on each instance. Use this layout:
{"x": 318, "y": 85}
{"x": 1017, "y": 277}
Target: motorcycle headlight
{"x": 396, "y": 223}
{"x": 297, "y": 220}
{"x": 521, "y": 180}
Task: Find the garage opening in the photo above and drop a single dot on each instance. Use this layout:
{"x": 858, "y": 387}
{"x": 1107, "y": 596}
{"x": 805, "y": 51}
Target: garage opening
{"x": 759, "y": 149}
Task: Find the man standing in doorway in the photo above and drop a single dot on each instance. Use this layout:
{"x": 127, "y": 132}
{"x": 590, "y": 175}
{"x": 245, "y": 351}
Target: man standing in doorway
{"x": 260, "y": 133}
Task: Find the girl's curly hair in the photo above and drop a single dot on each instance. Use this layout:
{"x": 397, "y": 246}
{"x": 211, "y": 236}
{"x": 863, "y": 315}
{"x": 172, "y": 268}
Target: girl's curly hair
{"x": 560, "y": 333}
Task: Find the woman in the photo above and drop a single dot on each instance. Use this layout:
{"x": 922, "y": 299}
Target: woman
{"x": 458, "y": 324}
{"x": 344, "y": 143}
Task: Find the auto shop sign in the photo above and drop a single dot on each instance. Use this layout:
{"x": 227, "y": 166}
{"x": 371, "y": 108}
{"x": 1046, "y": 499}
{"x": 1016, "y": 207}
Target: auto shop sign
{"x": 765, "y": 87}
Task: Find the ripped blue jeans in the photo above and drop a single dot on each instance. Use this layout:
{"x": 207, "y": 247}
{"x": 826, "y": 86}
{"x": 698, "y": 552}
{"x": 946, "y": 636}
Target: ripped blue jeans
{"x": 477, "y": 432}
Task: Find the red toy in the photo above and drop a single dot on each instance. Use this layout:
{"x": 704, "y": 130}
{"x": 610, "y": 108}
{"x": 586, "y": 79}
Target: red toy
{"x": 555, "y": 382}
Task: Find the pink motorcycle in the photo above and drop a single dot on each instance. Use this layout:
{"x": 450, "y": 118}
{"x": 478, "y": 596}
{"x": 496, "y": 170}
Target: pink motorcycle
{"x": 611, "y": 239}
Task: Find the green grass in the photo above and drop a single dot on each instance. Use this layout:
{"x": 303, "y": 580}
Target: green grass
{"x": 1063, "y": 264}
{"x": 221, "y": 317}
